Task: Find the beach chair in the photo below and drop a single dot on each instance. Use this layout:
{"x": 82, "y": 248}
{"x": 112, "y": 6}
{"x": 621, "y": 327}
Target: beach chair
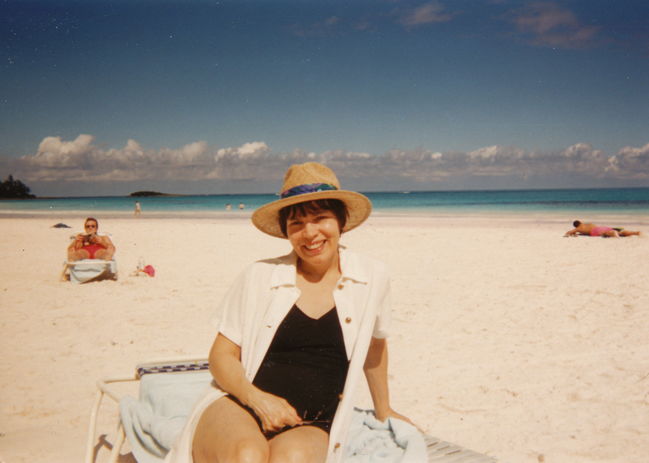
{"x": 159, "y": 377}
{"x": 87, "y": 270}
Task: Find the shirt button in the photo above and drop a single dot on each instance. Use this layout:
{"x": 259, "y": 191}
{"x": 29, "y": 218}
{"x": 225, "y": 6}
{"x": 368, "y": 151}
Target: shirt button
{"x": 341, "y": 286}
{"x": 337, "y": 446}
{"x": 348, "y": 320}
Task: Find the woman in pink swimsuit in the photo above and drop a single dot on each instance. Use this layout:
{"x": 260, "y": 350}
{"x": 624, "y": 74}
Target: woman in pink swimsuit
{"x": 91, "y": 245}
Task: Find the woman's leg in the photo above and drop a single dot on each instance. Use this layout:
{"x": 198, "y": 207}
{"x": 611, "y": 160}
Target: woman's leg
{"x": 226, "y": 433}
{"x": 78, "y": 254}
{"x": 303, "y": 444}
{"x": 104, "y": 254}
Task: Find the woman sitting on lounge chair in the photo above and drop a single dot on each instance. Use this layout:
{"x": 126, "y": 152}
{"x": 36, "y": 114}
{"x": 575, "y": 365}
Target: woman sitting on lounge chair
{"x": 294, "y": 335}
{"x": 91, "y": 245}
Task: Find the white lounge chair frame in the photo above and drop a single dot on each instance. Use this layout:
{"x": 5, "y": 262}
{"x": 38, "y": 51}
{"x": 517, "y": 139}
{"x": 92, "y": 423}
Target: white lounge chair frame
{"x": 439, "y": 451}
{"x": 109, "y": 272}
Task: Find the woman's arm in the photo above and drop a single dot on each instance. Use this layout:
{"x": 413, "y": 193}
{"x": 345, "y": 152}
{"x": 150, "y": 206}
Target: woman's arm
{"x": 225, "y": 365}
{"x": 376, "y": 372}
{"x": 77, "y": 243}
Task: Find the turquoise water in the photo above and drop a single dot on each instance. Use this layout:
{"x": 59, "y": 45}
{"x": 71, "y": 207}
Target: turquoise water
{"x": 618, "y": 200}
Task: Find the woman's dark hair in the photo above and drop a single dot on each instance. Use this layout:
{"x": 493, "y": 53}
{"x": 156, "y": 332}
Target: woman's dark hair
{"x": 311, "y": 207}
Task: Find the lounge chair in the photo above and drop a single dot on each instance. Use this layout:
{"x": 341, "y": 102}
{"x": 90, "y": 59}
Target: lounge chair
{"x": 160, "y": 377}
{"x": 87, "y": 270}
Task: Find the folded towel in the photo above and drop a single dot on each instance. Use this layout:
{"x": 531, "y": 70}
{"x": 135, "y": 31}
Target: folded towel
{"x": 86, "y": 270}
{"x": 153, "y": 422}
{"x": 392, "y": 440}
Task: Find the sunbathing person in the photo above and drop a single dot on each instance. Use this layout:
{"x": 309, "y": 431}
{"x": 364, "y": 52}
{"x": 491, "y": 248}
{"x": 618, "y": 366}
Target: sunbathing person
{"x": 91, "y": 245}
{"x": 294, "y": 335}
{"x": 590, "y": 229}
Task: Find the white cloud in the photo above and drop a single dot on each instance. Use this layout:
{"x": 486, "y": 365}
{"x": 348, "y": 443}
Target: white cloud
{"x": 549, "y": 24}
{"x": 81, "y": 160}
{"x": 631, "y": 162}
{"x": 428, "y": 13}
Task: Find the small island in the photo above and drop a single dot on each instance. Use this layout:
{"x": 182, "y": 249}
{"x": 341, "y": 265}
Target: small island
{"x": 148, "y": 193}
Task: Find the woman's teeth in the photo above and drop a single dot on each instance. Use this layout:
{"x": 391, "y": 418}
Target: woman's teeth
{"x": 314, "y": 246}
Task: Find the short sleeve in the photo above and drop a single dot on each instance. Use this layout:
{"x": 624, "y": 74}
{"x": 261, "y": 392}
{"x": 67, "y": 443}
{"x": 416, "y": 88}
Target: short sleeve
{"x": 228, "y": 317}
{"x": 383, "y": 315}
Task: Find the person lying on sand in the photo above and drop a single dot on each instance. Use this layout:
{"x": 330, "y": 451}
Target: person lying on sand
{"x": 590, "y": 229}
{"x": 91, "y": 245}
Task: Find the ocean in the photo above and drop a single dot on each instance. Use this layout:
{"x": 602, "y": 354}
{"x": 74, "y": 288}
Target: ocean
{"x": 583, "y": 201}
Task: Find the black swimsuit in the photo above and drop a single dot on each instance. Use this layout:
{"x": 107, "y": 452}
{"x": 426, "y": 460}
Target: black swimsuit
{"x": 306, "y": 364}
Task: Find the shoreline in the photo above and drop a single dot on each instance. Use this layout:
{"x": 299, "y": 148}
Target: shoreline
{"x": 565, "y": 218}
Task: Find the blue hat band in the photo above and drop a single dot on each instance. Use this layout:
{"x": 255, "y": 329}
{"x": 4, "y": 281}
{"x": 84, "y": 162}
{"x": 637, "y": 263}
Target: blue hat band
{"x": 308, "y": 188}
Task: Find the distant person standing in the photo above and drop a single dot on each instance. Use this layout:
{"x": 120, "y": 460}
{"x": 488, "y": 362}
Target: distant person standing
{"x": 228, "y": 207}
{"x": 590, "y": 229}
{"x": 241, "y": 206}
{"x": 138, "y": 209}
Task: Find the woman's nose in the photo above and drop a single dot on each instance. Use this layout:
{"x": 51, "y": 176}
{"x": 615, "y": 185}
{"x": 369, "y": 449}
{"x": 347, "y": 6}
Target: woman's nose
{"x": 310, "y": 229}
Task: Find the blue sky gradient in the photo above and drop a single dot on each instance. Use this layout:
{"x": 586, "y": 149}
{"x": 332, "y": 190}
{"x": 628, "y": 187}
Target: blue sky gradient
{"x": 351, "y": 83}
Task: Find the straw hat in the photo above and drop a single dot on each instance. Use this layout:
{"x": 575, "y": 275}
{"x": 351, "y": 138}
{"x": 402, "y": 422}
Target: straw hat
{"x": 309, "y": 182}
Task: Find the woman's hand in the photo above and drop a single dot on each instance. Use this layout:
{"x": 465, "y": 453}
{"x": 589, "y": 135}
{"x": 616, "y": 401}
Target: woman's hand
{"x": 273, "y": 411}
{"x": 78, "y": 241}
{"x": 392, "y": 414}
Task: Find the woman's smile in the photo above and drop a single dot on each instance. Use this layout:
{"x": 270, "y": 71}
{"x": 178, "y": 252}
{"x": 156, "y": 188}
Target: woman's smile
{"x": 316, "y": 247}
{"x": 315, "y": 237}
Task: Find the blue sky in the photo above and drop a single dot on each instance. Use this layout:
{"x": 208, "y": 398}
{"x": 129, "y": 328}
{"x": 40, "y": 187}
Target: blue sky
{"x": 220, "y": 96}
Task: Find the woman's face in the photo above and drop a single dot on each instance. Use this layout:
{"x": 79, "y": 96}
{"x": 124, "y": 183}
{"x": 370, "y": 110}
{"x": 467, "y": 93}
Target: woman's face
{"x": 91, "y": 226}
{"x": 315, "y": 237}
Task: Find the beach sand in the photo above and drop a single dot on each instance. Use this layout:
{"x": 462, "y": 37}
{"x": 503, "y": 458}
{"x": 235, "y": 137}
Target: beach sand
{"x": 507, "y": 338}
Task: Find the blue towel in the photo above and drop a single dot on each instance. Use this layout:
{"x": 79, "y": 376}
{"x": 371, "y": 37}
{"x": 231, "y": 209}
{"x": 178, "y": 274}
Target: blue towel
{"x": 392, "y": 440}
{"x": 154, "y": 421}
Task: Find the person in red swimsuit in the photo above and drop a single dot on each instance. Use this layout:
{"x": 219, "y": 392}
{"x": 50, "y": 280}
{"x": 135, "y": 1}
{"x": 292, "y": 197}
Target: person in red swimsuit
{"x": 590, "y": 229}
{"x": 91, "y": 245}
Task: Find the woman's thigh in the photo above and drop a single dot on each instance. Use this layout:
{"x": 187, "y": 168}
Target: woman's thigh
{"x": 102, "y": 254}
{"x": 303, "y": 444}
{"x": 79, "y": 254}
{"x": 227, "y": 433}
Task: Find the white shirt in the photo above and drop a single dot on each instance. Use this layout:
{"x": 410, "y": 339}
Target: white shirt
{"x": 256, "y": 305}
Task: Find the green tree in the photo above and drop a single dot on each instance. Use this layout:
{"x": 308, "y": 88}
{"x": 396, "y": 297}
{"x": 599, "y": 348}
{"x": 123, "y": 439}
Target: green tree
{"x": 14, "y": 189}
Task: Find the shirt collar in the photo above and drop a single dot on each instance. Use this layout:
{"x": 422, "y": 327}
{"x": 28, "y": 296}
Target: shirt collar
{"x": 351, "y": 268}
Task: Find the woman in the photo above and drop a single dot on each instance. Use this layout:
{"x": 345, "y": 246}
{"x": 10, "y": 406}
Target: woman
{"x": 91, "y": 245}
{"x": 294, "y": 334}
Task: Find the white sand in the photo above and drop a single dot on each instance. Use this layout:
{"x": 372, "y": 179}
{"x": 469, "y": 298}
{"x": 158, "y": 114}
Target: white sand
{"x": 508, "y": 338}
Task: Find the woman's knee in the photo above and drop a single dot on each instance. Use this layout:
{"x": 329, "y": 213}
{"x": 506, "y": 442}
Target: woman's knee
{"x": 238, "y": 451}
{"x": 249, "y": 451}
{"x": 78, "y": 255}
{"x": 296, "y": 454}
